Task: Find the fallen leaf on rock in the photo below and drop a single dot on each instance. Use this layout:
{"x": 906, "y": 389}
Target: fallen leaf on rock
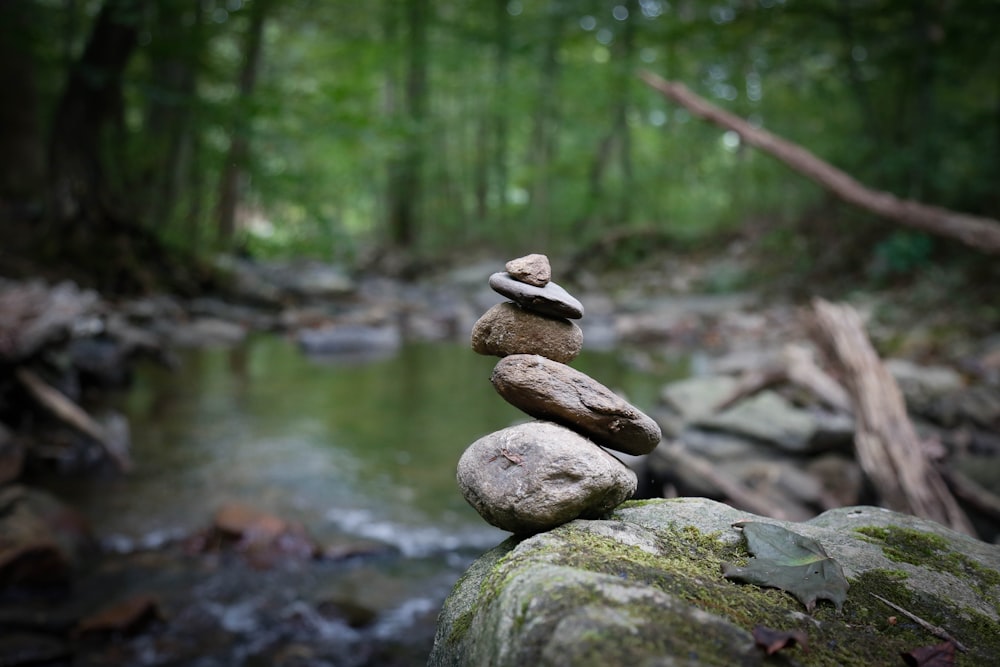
{"x": 789, "y": 561}
{"x": 772, "y": 640}
{"x": 126, "y": 616}
{"x": 939, "y": 655}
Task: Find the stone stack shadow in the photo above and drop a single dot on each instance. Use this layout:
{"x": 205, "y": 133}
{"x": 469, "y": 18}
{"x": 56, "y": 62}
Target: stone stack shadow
{"x": 535, "y": 476}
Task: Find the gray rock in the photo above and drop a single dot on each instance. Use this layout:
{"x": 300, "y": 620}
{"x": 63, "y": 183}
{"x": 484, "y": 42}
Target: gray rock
{"x": 349, "y": 339}
{"x": 549, "y": 300}
{"x": 923, "y": 382}
{"x": 644, "y": 587}
{"x": 207, "y": 332}
{"x": 536, "y": 476}
{"x": 550, "y": 390}
{"x": 978, "y": 405}
{"x": 506, "y": 328}
{"x": 720, "y": 446}
{"x": 531, "y": 269}
{"x": 769, "y": 417}
{"x": 697, "y": 397}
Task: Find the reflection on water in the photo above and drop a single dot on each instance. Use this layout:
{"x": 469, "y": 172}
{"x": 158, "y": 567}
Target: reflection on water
{"x": 365, "y": 449}
{"x": 352, "y": 450}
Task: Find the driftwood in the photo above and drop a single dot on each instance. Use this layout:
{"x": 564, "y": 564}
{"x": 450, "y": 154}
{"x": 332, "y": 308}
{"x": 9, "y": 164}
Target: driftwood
{"x": 735, "y": 491}
{"x": 73, "y": 415}
{"x": 886, "y": 443}
{"x": 796, "y": 367}
{"x": 980, "y": 233}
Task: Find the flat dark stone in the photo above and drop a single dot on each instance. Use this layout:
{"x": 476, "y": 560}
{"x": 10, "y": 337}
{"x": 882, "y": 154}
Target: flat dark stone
{"x": 549, "y": 300}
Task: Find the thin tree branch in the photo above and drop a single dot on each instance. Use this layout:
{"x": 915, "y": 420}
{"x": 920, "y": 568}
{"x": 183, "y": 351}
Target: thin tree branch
{"x": 977, "y": 232}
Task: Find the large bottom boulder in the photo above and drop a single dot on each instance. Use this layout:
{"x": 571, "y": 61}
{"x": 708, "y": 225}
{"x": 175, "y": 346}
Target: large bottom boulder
{"x": 644, "y": 587}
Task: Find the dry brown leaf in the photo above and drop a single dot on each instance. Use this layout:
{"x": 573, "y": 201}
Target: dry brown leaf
{"x": 938, "y": 655}
{"x": 772, "y": 640}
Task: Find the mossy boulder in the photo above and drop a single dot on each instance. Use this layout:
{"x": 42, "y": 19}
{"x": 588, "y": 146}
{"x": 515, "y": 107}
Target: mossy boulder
{"x": 644, "y": 587}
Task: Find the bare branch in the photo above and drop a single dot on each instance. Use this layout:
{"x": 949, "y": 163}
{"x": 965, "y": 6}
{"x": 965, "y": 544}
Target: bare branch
{"x": 977, "y": 232}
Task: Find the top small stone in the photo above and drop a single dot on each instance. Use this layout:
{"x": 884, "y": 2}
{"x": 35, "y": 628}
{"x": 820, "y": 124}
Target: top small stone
{"x": 532, "y": 269}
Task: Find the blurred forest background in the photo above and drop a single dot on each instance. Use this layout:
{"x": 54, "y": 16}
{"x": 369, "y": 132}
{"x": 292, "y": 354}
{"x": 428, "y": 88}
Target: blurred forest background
{"x": 140, "y": 135}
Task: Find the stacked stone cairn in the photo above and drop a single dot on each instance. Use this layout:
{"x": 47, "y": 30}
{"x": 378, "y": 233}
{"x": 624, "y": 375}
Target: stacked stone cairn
{"x": 537, "y": 475}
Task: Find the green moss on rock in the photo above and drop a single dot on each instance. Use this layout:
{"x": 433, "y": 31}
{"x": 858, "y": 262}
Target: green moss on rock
{"x": 906, "y": 545}
{"x": 645, "y": 585}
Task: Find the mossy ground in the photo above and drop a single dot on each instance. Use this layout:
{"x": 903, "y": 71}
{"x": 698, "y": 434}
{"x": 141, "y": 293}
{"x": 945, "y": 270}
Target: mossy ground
{"x": 688, "y": 568}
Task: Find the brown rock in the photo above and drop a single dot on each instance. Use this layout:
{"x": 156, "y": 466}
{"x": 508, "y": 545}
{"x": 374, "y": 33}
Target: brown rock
{"x": 550, "y": 390}
{"x": 126, "y": 616}
{"x": 532, "y": 269}
{"x": 40, "y": 538}
{"x": 536, "y": 476}
{"x": 506, "y": 328}
{"x": 265, "y": 539}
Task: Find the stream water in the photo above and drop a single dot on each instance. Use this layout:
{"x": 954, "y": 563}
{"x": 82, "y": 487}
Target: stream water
{"x": 353, "y": 449}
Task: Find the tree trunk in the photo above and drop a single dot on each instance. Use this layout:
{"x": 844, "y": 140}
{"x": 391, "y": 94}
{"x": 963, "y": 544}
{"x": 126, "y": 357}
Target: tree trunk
{"x": 977, "y": 232}
{"x": 22, "y": 155}
{"x": 90, "y": 226}
{"x": 406, "y": 170}
{"x": 175, "y": 53}
{"x": 542, "y": 150}
{"x": 501, "y": 87}
{"x": 490, "y": 176}
{"x": 90, "y": 107}
{"x": 233, "y": 173}
{"x": 618, "y": 139}
{"x": 845, "y": 21}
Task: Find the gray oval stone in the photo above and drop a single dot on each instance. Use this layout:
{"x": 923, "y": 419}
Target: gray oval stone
{"x": 547, "y": 389}
{"x": 549, "y": 300}
{"x": 533, "y": 269}
{"x": 536, "y": 476}
{"x": 506, "y": 328}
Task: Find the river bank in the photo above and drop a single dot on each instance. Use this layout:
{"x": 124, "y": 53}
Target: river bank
{"x": 341, "y": 403}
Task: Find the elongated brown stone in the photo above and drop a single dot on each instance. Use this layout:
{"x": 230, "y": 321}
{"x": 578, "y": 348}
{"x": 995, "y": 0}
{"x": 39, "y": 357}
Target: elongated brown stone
{"x": 550, "y": 390}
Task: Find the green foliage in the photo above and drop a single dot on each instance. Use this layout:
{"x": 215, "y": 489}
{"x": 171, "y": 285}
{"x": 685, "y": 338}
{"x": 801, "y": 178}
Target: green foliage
{"x": 527, "y": 150}
{"x": 901, "y": 254}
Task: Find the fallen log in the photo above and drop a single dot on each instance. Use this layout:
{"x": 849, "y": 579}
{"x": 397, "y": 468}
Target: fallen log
{"x": 977, "y": 232}
{"x": 886, "y": 443}
{"x": 73, "y": 415}
{"x": 797, "y": 367}
{"x": 735, "y": 491}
